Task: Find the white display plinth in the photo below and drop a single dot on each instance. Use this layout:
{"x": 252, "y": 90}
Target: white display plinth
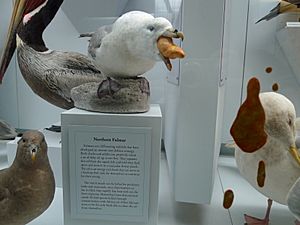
{"x": 111, "y": 167}
{"x": 288, "y": 38}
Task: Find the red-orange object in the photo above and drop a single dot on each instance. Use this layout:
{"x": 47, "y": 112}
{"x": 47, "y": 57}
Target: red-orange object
{"x": 261, "y": 174}
{"x": 275, "y": 87}
{"x": 228, "y": 199}
{"x": 247, "y": 129}
{"x": 269, "y": 69}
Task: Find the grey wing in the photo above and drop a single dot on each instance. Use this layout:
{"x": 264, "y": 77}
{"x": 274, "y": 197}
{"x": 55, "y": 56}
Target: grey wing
{"x": 6, "y": 131}
{"x": 69, "y": 70}
{"x": 96, "y": 39}
{"x": 293, "y": 199}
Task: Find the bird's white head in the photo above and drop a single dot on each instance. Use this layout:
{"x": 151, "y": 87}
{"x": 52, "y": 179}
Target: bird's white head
{"x": 140, "y": 30}
{"x": 280, "y": 117}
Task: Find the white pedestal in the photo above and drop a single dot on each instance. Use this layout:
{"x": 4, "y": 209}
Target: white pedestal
{"x": 111, "y": 167}
{"x": 288, "y": 38}
{"x": 53, "y": 140}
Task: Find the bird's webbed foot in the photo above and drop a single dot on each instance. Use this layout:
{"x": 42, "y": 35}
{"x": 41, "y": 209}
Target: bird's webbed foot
{"x": 255, "y": 221}
{"x": 108, "y": 87}
{"x": 250, "y": 220}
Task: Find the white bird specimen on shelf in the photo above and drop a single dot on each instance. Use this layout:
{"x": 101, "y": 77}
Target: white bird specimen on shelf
{"x": 129, "y": 47}
{"x": 264, "y": 131}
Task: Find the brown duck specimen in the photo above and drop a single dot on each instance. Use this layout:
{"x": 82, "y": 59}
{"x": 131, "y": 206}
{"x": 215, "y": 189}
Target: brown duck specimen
{"x": 51, "y": 74}
{"x": 27, "y": 187}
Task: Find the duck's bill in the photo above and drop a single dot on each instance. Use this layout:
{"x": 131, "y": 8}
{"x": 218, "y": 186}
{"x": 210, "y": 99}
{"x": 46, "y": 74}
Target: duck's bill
{"x": 10, "y": 44}
{"x": 167, "y": 49}
{"x": 294, "y": 152}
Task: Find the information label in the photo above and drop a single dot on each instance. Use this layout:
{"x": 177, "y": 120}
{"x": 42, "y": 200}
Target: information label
{"x": 109, "y": 172}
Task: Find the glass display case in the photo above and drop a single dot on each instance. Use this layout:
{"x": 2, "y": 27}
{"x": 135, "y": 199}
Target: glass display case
{"x": 225, "y": 45}
{"x": 192, "y": 121}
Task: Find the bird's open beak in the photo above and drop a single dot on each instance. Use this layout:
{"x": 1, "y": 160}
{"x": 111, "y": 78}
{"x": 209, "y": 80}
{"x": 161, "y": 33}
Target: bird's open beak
{"x": 166, "y": 52}
{"x": 10, "y": 44}
{"x": 33, "y": 156}
{"x": 173, "y": 33}
{"x": 295, "y": 153}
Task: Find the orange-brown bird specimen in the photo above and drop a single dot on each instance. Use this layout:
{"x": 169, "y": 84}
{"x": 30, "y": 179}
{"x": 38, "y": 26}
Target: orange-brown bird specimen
{"x": 290, "y": 6}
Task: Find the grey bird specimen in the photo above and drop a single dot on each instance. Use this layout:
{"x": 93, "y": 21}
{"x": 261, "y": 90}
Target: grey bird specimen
{"x": 27, "y": 187}
{"x": 6, "y": 131}
{"x": 50, "y": 74}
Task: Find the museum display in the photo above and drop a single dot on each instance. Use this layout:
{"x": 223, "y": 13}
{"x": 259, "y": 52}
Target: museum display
{"x": 27, "y": 187}
{"x": 6, "y": 131}
{"x": 266, "y": 145}
{"x": 289, "y": 6}
{"x": 129, "y": 50}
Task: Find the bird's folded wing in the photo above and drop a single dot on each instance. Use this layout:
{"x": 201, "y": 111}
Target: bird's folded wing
{"x": 75, "y": 62}
{"x": 96, "y": 39}
{"x": 69, "y": 70}
{"x": 4, "y": 195}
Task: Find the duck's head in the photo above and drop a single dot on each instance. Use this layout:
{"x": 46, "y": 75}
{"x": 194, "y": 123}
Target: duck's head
{"x": 29, "y": 19}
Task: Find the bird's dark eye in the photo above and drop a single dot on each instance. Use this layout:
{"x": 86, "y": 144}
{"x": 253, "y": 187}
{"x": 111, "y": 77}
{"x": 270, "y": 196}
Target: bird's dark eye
{"x": 290, "y": 122}
{"x": 23, "y": 140}
{"x": 151, "y": 28}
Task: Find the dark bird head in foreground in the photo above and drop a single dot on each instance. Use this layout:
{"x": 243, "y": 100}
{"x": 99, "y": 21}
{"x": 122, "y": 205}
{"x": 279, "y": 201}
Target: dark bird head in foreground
{"x": 27, "y": 187}
{"x": 32, "y": 150}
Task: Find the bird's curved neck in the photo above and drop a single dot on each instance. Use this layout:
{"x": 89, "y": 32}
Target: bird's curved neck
{"x": 31, "y": 32}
